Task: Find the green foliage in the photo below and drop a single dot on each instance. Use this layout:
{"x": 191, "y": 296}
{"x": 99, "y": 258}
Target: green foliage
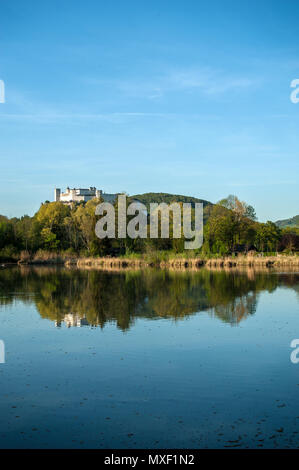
{"x": 230, "y": 227}
{"x": 293, "y": 222}
{"x": 268, "y": 236}
{"x": 49, "y": 239}
{"x": 148, "y": 198}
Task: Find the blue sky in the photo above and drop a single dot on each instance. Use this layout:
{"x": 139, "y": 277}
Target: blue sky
{"x": 185, "y": 97}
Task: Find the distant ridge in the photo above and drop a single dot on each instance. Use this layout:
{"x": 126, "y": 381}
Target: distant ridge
{"x": 292, "y": 222}
{"x": 147, "y": 198}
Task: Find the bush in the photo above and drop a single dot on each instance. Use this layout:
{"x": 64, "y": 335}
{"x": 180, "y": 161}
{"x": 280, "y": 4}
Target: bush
{"x": 25, "y": 256}
{"x": 9, "y": 253}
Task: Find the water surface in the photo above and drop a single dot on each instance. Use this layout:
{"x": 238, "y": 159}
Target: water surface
{"x": 148, "y": 359}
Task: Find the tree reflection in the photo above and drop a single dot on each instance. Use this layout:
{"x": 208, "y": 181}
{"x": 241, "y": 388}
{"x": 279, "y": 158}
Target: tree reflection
{"x": 93, "y": 297}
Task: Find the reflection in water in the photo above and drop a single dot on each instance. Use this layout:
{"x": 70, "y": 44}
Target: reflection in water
{"x": 72, "y": 319}
{"x": 168, "y": 383}
{"x": 94, "y": 297}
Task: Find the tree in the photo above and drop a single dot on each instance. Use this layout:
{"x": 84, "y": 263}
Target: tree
{"x": 267, "y": 236}
{"x": 85, "y": 220}
{"x": 231, "y": 223}
{"x": 49, "y": 239}
{"x": 52, "y": 216}
{"x": 289, "y": 240}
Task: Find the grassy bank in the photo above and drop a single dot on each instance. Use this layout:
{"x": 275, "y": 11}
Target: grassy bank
{"x": 161, "y": 259}
{"x": 193, "y": 263}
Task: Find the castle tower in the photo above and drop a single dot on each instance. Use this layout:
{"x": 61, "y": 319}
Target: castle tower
{"x": 57, "y": 194}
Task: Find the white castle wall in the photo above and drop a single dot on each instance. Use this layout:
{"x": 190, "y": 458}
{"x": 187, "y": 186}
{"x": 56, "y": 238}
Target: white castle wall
{"x": 80, "y": 194}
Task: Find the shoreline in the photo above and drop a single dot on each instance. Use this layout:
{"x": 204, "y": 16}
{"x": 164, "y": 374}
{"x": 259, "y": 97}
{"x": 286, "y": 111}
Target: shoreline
{"x": 227, "y": 262}
{"x": 194, "y": 263}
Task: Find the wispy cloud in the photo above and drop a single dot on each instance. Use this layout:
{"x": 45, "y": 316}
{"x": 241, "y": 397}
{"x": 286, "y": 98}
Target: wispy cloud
{"x": 202, "y": 80}
{"x": 208, "y": 81}
{"x": 23, "y": 105}
{"x": 114, "y": 118}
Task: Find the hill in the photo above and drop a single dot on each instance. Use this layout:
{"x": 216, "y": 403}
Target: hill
{"x": 292, "y": 222}
{"x": 148, "y": 198}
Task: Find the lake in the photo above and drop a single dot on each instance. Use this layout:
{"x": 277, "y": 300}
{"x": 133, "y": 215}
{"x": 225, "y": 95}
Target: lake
{"x": 148, "y": 359}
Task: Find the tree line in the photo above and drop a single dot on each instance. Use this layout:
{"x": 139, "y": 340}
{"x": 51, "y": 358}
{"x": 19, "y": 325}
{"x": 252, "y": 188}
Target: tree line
{"x": 230, "y": 227}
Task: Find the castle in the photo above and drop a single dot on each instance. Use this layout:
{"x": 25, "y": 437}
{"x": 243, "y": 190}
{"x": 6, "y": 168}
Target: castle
{"x": 81, "y": 194}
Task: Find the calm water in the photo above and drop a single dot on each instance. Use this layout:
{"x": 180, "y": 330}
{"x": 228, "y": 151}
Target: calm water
{"x": 148, "y": 359}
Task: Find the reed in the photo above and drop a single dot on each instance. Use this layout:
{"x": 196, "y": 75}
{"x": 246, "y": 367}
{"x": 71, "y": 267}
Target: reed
{"x": 162, "y": 260}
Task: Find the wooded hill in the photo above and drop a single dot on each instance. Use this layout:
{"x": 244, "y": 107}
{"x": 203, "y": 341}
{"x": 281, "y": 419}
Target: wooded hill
{"x": 148, "y": 198}
{"x": 292, "y": 222}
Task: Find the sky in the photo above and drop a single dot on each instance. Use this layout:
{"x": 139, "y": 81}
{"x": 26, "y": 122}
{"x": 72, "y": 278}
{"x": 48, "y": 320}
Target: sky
{"x": 185, "y": 97}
